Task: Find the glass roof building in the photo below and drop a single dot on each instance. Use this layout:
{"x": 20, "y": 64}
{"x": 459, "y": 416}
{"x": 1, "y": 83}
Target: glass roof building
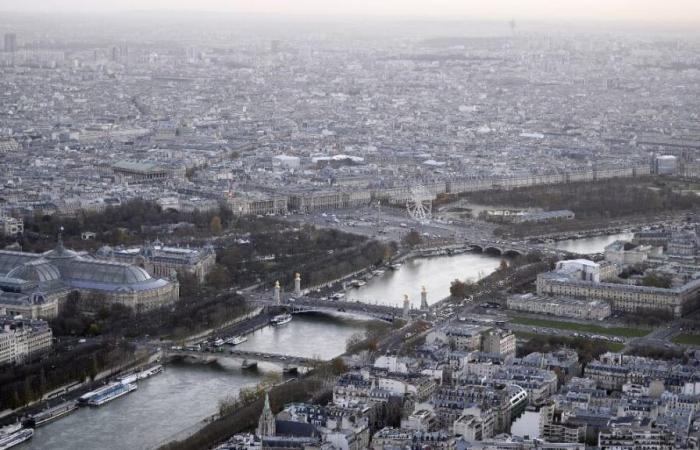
{"x": 31, "y": 279}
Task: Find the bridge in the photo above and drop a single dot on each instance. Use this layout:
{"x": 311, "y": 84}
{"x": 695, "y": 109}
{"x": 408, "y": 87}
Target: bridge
{"x": 311, "y": 305}
{"x": 503, "y": 248}
{"x": 242, "y": 355}
{"x": 482, "y": 246}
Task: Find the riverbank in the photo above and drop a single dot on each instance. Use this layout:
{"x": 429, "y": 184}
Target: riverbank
{"x": 74, "y": 390}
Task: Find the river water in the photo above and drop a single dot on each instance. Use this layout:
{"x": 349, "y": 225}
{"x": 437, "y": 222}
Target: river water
{"x": 183, "y": 395}
{"x": 594, "y": 244}
{"x": 434, "y": 273}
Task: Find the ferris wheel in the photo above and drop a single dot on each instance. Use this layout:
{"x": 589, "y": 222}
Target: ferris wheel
{"x": 420, "y": 204}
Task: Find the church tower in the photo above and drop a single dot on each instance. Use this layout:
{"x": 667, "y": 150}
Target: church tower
{"x": 266, "y": 423}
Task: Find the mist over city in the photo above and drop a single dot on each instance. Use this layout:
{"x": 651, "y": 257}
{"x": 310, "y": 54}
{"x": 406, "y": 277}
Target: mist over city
{"x": 332, "y": 225}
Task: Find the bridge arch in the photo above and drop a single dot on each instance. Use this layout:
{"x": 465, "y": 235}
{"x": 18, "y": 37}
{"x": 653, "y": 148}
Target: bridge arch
{"x": 512, "y": 252}
{"x": 476, "y": 248}
{"x": 493, "y": 251}
{"x": 342, "y": 311}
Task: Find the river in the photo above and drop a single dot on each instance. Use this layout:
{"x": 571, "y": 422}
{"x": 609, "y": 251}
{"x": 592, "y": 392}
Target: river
{"x": 435, "y": 273}
{"x": 595, "y": 244}
{"x": 183, "y": 395}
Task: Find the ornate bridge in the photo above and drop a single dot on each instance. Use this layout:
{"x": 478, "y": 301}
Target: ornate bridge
{"x": 309, "y": 305}
{"x": 242, "y": 355}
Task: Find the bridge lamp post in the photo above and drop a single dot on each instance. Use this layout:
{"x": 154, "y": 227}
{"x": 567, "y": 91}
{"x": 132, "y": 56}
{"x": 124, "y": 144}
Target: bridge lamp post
{"x": 276, "y": 294}
{"x": 297, "y": 284}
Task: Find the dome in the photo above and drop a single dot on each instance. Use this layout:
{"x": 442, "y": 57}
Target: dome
{"x": 38, "y": 270}
{"x": 60, "y": 252}
{"x": 103, "y": 272}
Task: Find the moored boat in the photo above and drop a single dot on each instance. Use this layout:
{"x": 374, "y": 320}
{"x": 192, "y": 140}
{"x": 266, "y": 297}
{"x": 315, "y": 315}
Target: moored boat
{"x": 13, "y": 435}
{"x": 357, "y": 283}
{"x": 281, "y": 319}
{"x": 51, "y": 414}
{"x": 236, "y": 340}
{"x": 147, "y": 373}
{"x": 249, "y": 365}
{"x": 107, "y": 393}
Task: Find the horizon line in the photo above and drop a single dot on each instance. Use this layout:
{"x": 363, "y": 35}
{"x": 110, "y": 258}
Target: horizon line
{"x": 443, "y": 17}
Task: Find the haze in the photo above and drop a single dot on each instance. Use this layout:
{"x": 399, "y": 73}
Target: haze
{"x": 625, "y": 10}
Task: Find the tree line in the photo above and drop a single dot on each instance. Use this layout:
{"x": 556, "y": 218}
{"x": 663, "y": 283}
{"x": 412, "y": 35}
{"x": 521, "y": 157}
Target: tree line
{"x": 22, "y": 384}
{"x": 320, "y": 255}
{"x": 199, "y": 307}
{"x": 604, "y": 199}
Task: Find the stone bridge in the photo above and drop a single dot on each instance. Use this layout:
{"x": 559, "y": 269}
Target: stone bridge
{"x": 503, "y": 248}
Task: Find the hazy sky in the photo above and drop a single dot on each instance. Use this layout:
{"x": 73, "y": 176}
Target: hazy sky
{"x": 633, "y": 10}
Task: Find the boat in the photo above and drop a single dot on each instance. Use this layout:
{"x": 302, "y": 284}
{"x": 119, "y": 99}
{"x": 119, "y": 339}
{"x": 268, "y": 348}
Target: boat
{"x": 357, "y": 283}
{"x": 140, "y": 375}
{"x": 249, "y": 365}
{"x": 155, "y": 370}
{"x": 219, "y": 342}
{"x": 106, "y": 394}
{"x": 290, "y": 370}
{"x": 13, "y": 435}
{"x": 132, "y": 378}
{"x": 281, "y": 319}
{"x": 236, "y": 340}
{"x": 50, "y": 414}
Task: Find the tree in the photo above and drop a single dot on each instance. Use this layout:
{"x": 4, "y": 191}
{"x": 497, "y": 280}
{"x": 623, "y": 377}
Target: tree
{"x": 219, "y": 277}
{"x": 461, "y": 289}
{"x": 503, "y": 266}
{"x": 339, "y": 366}
{"x": 657, "y": 280}
{"x": 215, "y": 225}
{"x": 412, "y": 238}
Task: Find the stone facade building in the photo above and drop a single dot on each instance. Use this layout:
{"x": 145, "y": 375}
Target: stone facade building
{"x": 160, "y": 260}
{"x": 22, "y": 340}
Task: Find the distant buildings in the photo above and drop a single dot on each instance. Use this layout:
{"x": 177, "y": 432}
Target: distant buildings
{"x": 8, "y": 145}
{"x": 146, "y": 171}
{"x": 666, "y": 165}
{"x": 11, "y": 226}
{"x": 10, "y": 42}
{"x": 520, "y": 216}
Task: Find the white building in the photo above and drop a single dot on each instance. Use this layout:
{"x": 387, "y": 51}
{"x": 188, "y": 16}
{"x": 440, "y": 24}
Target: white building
{"x": 666, "y": 164}
{"x": 22, "y": 339}
{"x": 286, "y": 162}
